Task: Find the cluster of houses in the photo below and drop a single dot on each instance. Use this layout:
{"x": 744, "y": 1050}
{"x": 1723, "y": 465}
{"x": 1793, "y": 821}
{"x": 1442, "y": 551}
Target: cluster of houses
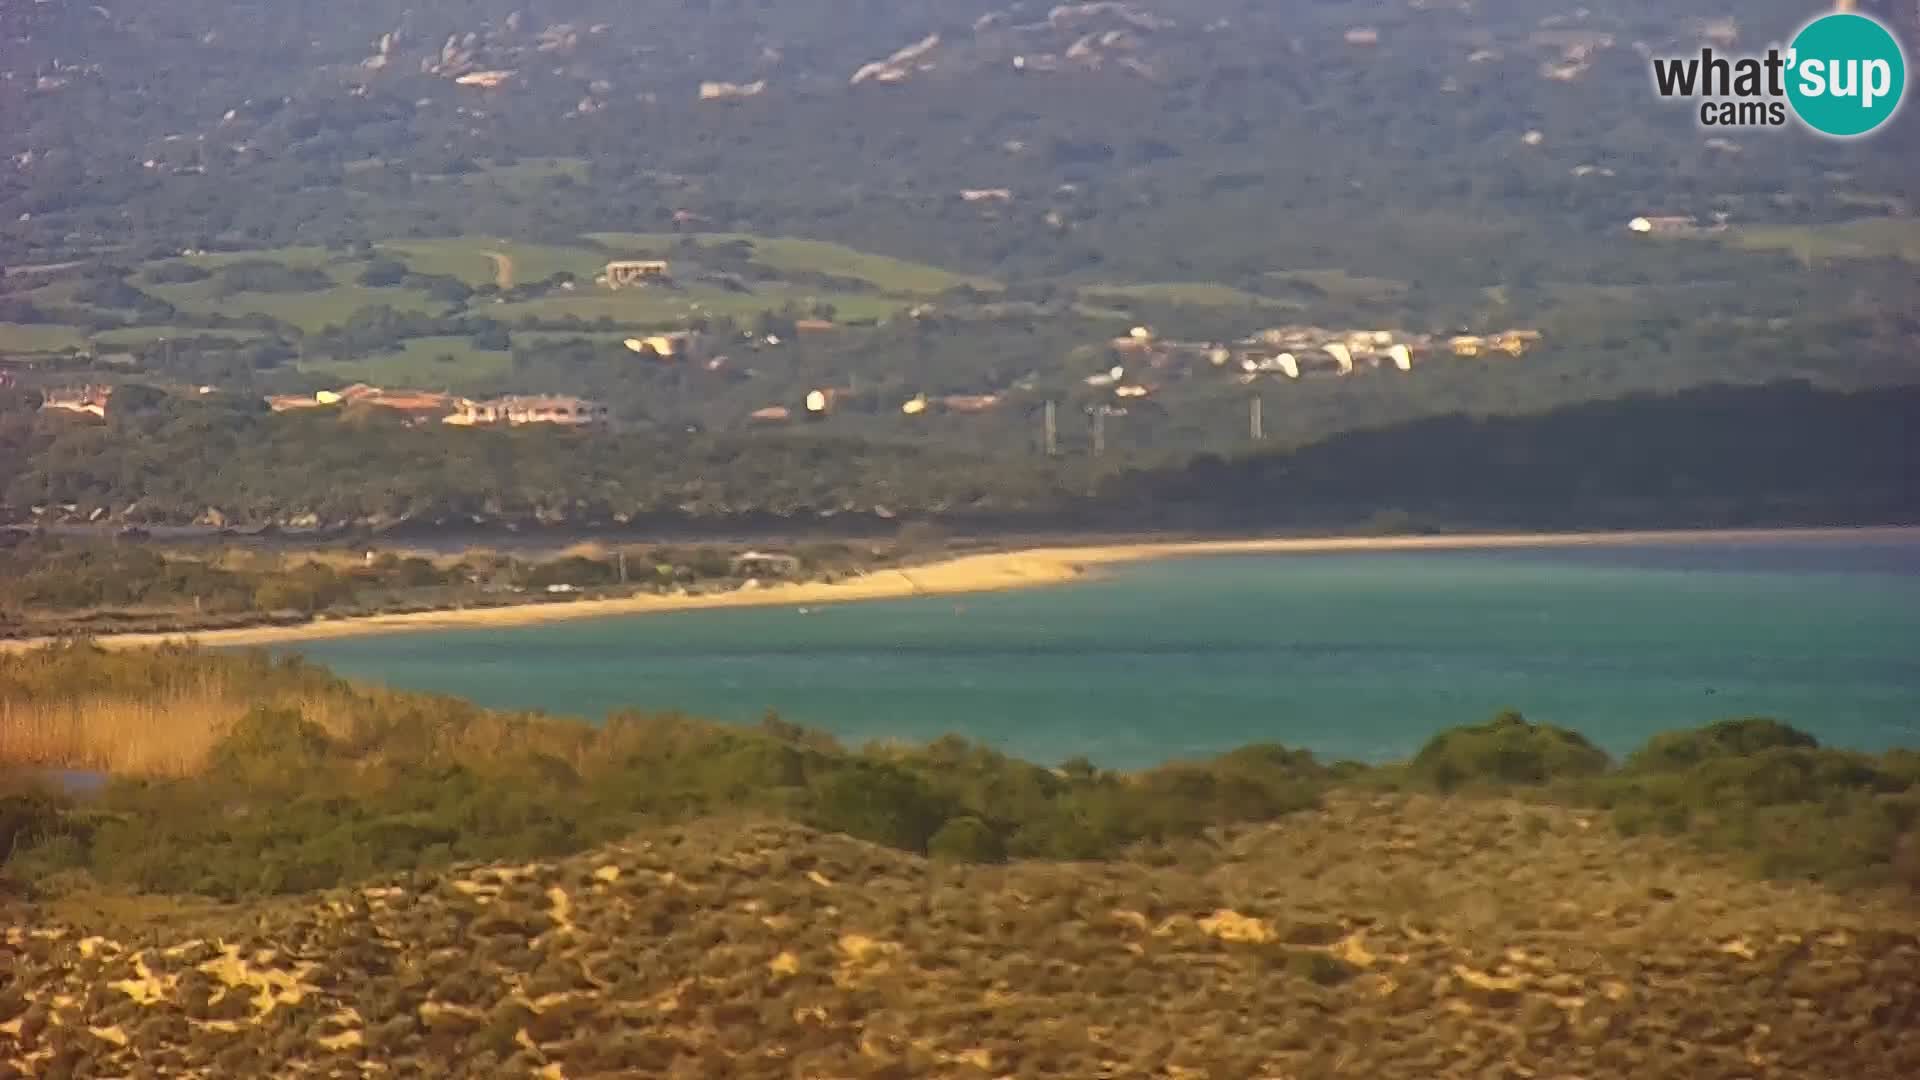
{"x": 1135, "y": 366}
{"x": 425, "y": 406}
{"x": 623, "y": 273}
{"x": 1297, "y": 351}
{"x": 1675, "y": 225}
{"x": 419, "y": 406}
{"x": 91, "y": 400}
{"x": 1141, "y": 359}
{"x": 820, "y": 402}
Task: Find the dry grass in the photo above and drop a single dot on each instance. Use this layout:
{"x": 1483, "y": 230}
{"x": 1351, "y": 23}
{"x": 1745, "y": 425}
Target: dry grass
{"x": 152, "y": 714}
{"x": 124, "y": 737}
{"x": 134, "y": 720}
{"x": 170, "y": 735}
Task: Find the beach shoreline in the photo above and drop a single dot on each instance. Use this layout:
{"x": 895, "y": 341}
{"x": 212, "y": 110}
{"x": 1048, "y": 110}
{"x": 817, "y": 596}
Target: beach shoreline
{"x": 957, "y": 576}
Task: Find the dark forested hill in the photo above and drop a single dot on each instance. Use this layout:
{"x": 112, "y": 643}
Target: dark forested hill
{"x": 1323, "y": 131}
{"x": 1784, "y": 453}
{"x": 1777, "y": 454}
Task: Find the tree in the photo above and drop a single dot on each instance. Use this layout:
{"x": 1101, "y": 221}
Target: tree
{"x": 967, "y": 839}
{"x": 383, "y": 273}
{"x": 491, "y": 336}
{"x": 880, "y": 802}
{"x": 135, "y": 399}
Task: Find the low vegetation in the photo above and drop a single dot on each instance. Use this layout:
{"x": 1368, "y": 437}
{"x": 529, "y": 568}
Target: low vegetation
{"x": 1750, "y": 787}
{"x": 1782, "y": 454}
{"x": 241, "y": 775}
{"x": 793, "y": 255}
{"x": 1375, "y": 937}
{"x": 1872, "y": 238}
{"x": 51, "y": 586}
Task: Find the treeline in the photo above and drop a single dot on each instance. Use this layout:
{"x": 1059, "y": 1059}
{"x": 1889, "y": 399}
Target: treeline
{"x": 170, "y": 458}
{"x": 313, "y": 782}
{"x": 1786, "y": 453}
{"x": 51, "y": 585}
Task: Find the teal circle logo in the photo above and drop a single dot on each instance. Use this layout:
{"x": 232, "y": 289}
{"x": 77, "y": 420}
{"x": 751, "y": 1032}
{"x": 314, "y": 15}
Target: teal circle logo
{"x": 1845, "y": 75}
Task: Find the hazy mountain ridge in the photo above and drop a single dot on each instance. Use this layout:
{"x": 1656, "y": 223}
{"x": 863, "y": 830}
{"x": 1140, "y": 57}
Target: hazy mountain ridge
{"x": 201, "y": 81}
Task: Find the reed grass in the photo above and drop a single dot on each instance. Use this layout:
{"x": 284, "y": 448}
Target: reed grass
{"x": 168, "y": 736}
{"x": 152, "y": 713}
{"x": 125, "y": 737}
{"x": 161, "y": 712}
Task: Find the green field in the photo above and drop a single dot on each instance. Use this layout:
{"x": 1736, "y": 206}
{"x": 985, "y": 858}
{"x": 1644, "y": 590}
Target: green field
{"x": 46, "y": 337}
{"x": 476, "y": 261}
{"x": 307, "y": 255}
{"x": 429, "y": 363}
{"x": 556, "y": 337}
{"x": 310, "y": 311}
{"x": 142, "y": 335}
{"x": 663, "y": 308}
{"x": 790, "y": 255}
{"x": 1867, "y": 238}
{"x": 1196, "y": 293}
{"x": 58, "y": 292}
{"x": 467, "y": 258}
{"x": 1339, "y": 283}
{"x": 28, "y": 338}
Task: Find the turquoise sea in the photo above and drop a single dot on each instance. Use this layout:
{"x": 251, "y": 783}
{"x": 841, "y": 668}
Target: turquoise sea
{"x": 1357, "y": 656}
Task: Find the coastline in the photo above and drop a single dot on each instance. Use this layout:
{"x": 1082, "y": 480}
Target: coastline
{"x": 960, "y": 575}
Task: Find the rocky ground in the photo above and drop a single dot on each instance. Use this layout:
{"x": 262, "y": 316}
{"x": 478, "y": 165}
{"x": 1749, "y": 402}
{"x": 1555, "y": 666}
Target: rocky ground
{"x": 1388, "y": 937}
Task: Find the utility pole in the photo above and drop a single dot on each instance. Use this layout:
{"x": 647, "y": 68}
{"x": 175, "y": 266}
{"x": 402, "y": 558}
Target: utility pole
{"x": 1099, "y": 430}
{"x": 1253, "y": 420}
{"x": 1051, "y": 431}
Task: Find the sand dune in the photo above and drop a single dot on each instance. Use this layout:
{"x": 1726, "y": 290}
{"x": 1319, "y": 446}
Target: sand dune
{"x": 989, "y": 572}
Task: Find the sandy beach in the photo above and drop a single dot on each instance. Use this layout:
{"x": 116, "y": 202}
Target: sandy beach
{"x": 989, "y": 572}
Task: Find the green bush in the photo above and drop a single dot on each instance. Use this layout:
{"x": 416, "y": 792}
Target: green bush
{"x": 881, "y": 802}
{"x": 1318, "y": 967}
{"x": 1674, "y": 750}
{"x": 1764, "y": 791}
{"x": 29, "y": 818}
{"x": 270, "y": 744}
{"x": 967, "y": 839}
{"x": 1506, "y": 750}
{"x": 415, "y": 781}
{"x": 176, "y": 273}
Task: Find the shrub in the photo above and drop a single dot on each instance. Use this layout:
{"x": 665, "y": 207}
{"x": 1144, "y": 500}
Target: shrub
{"x": 1676, "y": 750}
{"x": 27, "y": 819}
{"x": 268, "y": 276}
{"x": 1506, "y": 750}
{"x": 269, "y": 744}
{"x": 382, "y": 273}
{"x": 1318, "y": 967}
{"x": 176, "y": 273}
{"x": 967, "y": 839}
{"x": 880, "y": 802}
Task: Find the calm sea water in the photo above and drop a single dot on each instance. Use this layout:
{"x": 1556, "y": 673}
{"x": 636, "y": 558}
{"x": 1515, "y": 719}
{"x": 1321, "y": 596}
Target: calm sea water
{"x": 1358, "y": 656}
